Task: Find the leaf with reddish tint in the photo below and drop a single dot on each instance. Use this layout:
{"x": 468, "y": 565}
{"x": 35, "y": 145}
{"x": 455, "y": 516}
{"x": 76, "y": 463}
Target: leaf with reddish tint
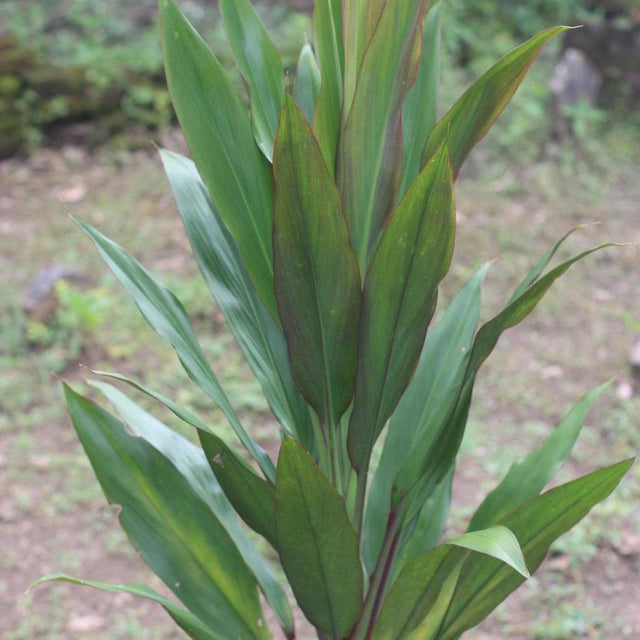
{"x": 399, "y": 299}
{"x": 316, "y": 270}
{"x": 370, "y": 149}
{"x": 468, "y": 121}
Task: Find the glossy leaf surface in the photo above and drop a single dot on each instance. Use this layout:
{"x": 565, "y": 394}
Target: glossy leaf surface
{"x": 191, "y": 462}
{"x": 221, "y": 140}
{"x": 261, "y": 67}
{"x": 221, "y": 265}
{"x": 399, "y": 299}
{"x": 175, "y": 530}
{"x": 471, "y": 117}
{"x": 317, "y": 543}
{"x": 164, "y": 312}
{"x": 316, "y": 271}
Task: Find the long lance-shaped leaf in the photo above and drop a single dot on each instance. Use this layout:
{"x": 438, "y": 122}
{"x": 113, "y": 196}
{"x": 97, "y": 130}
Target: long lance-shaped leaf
{"x": 399, "y": 299}
{"x": 370, "y": 151}
{"x": 471, "y": 117}
{"x": 417, "y": 587}
{"x": 316, "y": 271}
{"x": 192, "y": 625}
{"x": 307, "y": 85}
{"x": 261, "y": 68}
{"x": 220, "y": 137}
{"x": 360, "y": 19}
{"x": 177, "y": 533}
{"x": 485, "y": 583}
{"x": 191, "y": 462}
{"x": 426, "y": 403}
{"x": 258, "y": 334}
{"x": 164, "y": 312}
{"x": 251, "y": 496}
{"x": 527, "y": 477}
{"x": 317, "y": 543}
{"x": 419, "y": 109}
{"x": 327, "y": 38}
{"x": 430, "y": 464}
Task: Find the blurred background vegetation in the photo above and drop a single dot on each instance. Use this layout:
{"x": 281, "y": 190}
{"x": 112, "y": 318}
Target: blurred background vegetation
{"x": 98, "y": 65}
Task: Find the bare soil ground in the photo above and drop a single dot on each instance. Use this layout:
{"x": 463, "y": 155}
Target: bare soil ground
{"x": 52, "y": 514}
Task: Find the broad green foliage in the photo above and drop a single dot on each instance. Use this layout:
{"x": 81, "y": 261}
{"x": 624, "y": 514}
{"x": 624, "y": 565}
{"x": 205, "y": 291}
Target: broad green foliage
{"x": 323, "y": 223}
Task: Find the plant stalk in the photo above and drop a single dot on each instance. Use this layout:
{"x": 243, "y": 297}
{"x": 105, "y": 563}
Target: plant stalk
{"x": 379, "y": 578}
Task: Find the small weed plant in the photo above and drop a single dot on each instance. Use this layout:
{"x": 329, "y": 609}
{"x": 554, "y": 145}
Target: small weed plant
{"x": 323, "y": 222}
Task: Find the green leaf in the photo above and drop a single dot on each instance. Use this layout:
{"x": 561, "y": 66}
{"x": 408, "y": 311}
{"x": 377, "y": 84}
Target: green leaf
{"x": 164, "y": 312}
{"x": 399, "y": 298}
{"x": 220, "y": 137}
{"x": 192, "y": 625}
{"x": 418, "y": 587}
{"x": 317, "y": 543}
{"x": 485, "y": 583}
{"x": 425, "y": 404}
{"x": 191, "y": 462}
{"x": 540, "y": 266}
{"x": 316, "y": 271}
{"x": 177, "y": 533}
{"x": 251, "y": 496}
{"x": 471, "y": 117}
{"x": 370, "y": 149}
{"x": 432, "y": 463}
{"x": 327, "y": 35}
{"x": 424, "y": 532}
{"x": 261, "y": 67}
{"x": 527, "y": 477}
{"x": 360, "y": 19}
{"x": 419, "y": 109}
{"x": 260, "y": 338}
{"x": 307, "y": 85}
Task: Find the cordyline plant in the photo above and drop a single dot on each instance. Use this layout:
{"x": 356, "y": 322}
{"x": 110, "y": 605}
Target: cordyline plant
{"x": 323, "y": 224}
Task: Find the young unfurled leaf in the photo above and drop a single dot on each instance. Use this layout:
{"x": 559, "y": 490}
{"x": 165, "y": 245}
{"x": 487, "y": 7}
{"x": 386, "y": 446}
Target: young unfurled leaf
{"x": 370, "y": 149}
{"x": 221, "y": 265}
{"x": 527, "y": 477}
{"x": 164, "y": 312}
{"x": 327, "y": 37}
{"x": 417, "y": 587}
{"x": 399, "y": 299}
{"x": 261, "y": 67}
{"x": 468, "y": 121}
{"x": 251, "y": 496}
{"x": 317, "y": 543}
{"x": 177, "y": 533}
{"x": 220, "y": 137}
{"x": 316, "y": 271}
{"x": 484, "y": 582}
{"x": 307, "y": 86}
